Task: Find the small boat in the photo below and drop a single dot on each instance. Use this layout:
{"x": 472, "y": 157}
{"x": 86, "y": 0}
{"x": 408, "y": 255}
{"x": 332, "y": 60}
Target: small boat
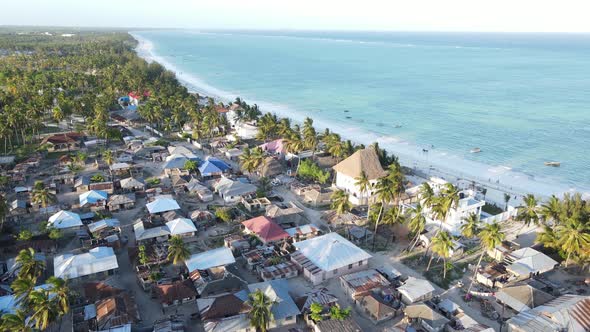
{"x": 397, "y": 126}
{"x": 553, "y": 163}
{"x": 475, "y": 150}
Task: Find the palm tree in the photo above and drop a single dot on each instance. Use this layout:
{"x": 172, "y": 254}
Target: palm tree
{"x": 251, "y": 159}
{"x": 340, "y": 202}
{"x": 16, "y": 322}
{"x": 442, "y": 244}
{"x": 108, "y": 157}
{"x": 177, "y": 250}
{"x": 470, "y": 226}
{"x": 548, "y": 237}
{"x": 392, "y": 217}
{"x": 427, "y": 195}
{"x": 43, "y": 307}
{"x": 22, "y": 288}
{"x": 528, "y": 212}
{"x": 490, "y": 237}
{"x": 551, "y": 209}
{"x": 364, "y": 185}
{"x": 574, "y": 235}
{"x": 384, "y": 193}
{"x": 42, "y": 197}
{"x": 260, "y": 315}
{"x": 417, "y": 224}
{"x": 29, "y": 266}
{"x": 60, "y": 294}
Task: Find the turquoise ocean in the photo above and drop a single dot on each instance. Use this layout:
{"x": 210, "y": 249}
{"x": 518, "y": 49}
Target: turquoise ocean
{"x": 523, "y": 99}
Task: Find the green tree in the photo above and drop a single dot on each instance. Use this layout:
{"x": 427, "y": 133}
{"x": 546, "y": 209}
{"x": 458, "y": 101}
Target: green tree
{"x": 417, "y": 224}
{"x": 260, "y": 315}
{"x": 29, "y": 266}
{"x": 108, "y": 157}
{"x": 470, "y": 226}
{"x": 191, "y": 166}
{"x": 573, "y": 236}
{"x": 442, "y": 244}
{"x": 338, "y": 313}
{"x": 25, "y": 235}
{"x": 44, "y": 310}
{"x": 177, "y": 250}
{"x": 340, "y": 202}
{"x": 60, "y": 294}
{"x": 223, "y": 213}
{"x": 16, "y": 322}
{"x": 528, "y": 212}
{"x": 42, "y": 197}
{"x": 316, "y": 310}
{"x": 490, "y": 236}
{"x": 55, "y": 234}
{"x": 142, "y": 255}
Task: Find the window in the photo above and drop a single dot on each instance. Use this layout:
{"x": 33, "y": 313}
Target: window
{"x": 349, "y": 266}
{"x": 360, "y": 263}
{"x": 335, "y": 271}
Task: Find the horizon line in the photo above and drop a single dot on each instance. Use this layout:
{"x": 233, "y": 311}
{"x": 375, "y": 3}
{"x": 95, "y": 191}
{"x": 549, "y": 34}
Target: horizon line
{"x": 129, "y": 29}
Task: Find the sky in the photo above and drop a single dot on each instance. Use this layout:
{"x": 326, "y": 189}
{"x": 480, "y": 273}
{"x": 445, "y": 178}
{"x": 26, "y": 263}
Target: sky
{"x": 407, "y": 15}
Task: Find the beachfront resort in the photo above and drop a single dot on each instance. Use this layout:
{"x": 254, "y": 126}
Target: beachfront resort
{"x": 130, "y": 204}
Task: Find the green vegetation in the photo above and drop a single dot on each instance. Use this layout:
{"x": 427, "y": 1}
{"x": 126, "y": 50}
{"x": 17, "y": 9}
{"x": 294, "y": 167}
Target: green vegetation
{"x": 39, "y": 308}
{"x": 223, "y": 214}
{"x": 25, "y": 235}
{"x": 260, "y": 315}
{"x": 491, "y": 209}
{"x": 97, "y": 178}
{"x": 311, "y": 171}
{"x": 177, "y": 250}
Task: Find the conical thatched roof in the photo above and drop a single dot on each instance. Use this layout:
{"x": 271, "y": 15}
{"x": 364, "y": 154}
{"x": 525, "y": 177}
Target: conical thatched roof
{"x": 362, "y": 160}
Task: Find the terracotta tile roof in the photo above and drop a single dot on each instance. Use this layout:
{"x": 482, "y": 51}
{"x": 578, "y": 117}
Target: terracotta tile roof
{"x": 266, "y": 229}
{"x": 176, "y": 291}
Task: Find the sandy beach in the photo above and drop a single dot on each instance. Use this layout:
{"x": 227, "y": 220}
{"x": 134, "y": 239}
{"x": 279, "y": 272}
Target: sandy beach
{"x": 427, "y": 162}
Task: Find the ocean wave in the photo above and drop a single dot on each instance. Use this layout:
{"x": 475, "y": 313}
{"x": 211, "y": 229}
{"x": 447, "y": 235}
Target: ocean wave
{"x": 411, "y": 155}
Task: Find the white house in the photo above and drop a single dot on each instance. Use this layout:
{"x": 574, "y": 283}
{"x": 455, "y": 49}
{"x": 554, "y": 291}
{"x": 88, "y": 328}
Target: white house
{"x": 350, "y": 169}
{"x": 415, "y": 290}
{"x": 328, "y": 256}
{"x": 162, "y": 204}
{"x": 468, "y": 204}
{"x": 233, "y": 191}
{"x": 65, "y": 221}
{"x": 99, "y": 261}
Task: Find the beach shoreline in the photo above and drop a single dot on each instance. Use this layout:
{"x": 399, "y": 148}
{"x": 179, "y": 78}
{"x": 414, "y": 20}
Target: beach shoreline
{"x": 497, "y": 179}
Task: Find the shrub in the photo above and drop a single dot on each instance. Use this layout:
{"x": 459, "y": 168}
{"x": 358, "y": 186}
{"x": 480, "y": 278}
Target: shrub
{"x": 25, "y": 235}
{"x": 223, "y": 214}
{"x": 311, "y": 171}
{"x": 97, "y": 178}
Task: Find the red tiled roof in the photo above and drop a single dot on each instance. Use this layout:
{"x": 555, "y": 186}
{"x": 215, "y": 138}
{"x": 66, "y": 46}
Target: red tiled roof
{"x": 176, "y": 291}
{"x": 266, "y": 229}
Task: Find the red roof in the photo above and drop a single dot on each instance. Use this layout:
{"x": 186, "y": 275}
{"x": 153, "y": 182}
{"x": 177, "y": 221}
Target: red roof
{"x": 266, "y": 229}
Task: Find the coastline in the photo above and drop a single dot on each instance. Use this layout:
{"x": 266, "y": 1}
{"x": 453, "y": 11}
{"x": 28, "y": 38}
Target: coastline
{"x": 439, "y": 163}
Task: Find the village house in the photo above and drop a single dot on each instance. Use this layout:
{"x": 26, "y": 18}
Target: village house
{"x": 265, "y": 229}
{"x": 107, "y": 226}
{"x": 95, "y": 200}
{"x": 335, "y": 325}
{"x": 213, "y": 167}
{"x": 182, "y": 227}
{"x": 424, "y": 317}
{"x": 121, "y": 202}
{"x": 415, "y": 290}
{"x": 377, "y": 308}
{"x": 285, "y": 214}
{"x": 566, "y": 313}
{"x": 63, "y": 142}
{"x": 328, "y": 256}
{"x": 132, "y": 184}
{"x": 210, "y": 267}
{"x": 271, "y": 167}
{"x": 233, "y": 191}
{"x": 348, "y": 170}
{"x": 359, "y": 284}
{"x": 276, "y": 147}
{"x": 256, "y": 204}
{"x": 145, "y": 231}
{"x": 162, "y": 204}
{"x": 320, "y": 296}
{"x": 175, "y": 166}
{"x": 237, "y": 243}
{"x": 194, "y": 187}
{"x": 106, "y": 186}
{"x": 303, "y": 232}
{"x": 120, "y": 168}
{"x": 271, "y": 271}
{"x": 284, "y": 310}
{"x": 175, "y": 293}
{"x": 66, "y": 221}
{"x": 522, "y": 297}
{"x": 97, "y": 263}
{"x": 225, "y": 307}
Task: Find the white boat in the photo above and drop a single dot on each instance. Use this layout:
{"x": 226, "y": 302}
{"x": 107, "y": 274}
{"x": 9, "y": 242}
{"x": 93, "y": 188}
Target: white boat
{"x": 475, "y": 150}
{"x": 553, "y": 163}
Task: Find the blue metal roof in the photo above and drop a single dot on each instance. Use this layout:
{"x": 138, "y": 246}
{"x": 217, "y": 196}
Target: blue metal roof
{"x": 208, "y": 168}
{"x": 222, "y": 165}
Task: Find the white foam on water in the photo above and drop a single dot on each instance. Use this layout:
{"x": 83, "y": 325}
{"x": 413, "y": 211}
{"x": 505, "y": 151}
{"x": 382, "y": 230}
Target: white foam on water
{"x": 433, "y": 162}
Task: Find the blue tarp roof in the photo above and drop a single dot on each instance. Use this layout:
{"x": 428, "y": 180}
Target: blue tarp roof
{"x": 222, "y": 165}
{"x": 208, "y": 168}
{"x": 93, "y": 196}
